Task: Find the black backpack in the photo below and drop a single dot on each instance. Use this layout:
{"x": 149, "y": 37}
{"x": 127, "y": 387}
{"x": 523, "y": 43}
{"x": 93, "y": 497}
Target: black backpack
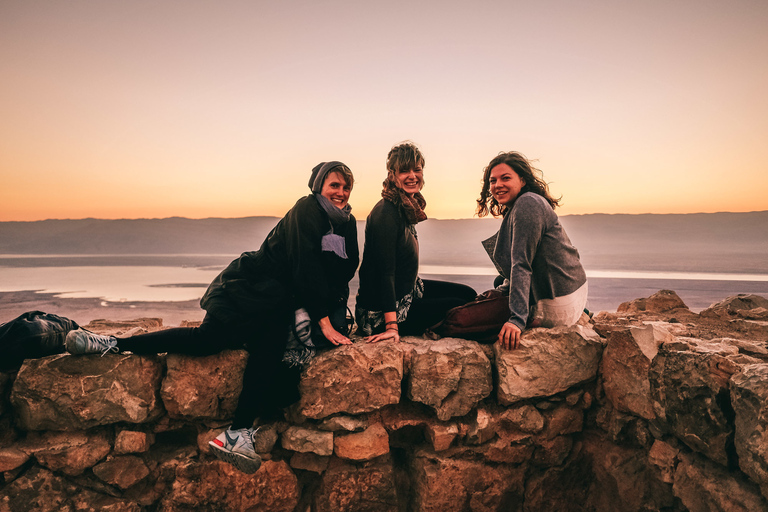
{"x": 33, "y": 334}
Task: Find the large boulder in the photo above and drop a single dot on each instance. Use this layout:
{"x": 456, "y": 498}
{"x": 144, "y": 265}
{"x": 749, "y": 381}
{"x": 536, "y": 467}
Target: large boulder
{"x": 662, "y": 301}
{"x": 219, "y": 486}
{"x": 625, "y": 364}
{"x": 203, "y": 387}
{"x": 444, "y": 484}
{"x": 368, "y": 487}
{"x": 743, "y": 305}
{"x": 352, "y": 379}
{"x": 449, "y": 375}
{"x": 749, "y": 397}
{"x": 547, "y": 362}
{"x": 70, "y": 453}
{"x": 703, "y": 486}
{"x": 42, "y": 491}
{"x": 64, "y": 392}
{"x": 689, "y": 387}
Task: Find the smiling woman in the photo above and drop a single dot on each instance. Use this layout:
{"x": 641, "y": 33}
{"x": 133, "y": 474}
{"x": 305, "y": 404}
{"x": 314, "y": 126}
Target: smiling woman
{"x": 392, "y": 298}
{"x": 543, "y": 276}
{"x": 280, "y": 303}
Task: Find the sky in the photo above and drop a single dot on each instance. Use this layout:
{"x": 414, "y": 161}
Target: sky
{"x": 151, "y": 109}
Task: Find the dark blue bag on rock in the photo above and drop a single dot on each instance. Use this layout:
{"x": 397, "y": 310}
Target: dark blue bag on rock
{"x": 31, "y": 335}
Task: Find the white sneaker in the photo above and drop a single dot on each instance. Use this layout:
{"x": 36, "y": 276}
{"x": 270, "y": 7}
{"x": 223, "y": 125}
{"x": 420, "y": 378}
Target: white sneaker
{"x": 80, "y": 341}
{"x": 236, "y": 447}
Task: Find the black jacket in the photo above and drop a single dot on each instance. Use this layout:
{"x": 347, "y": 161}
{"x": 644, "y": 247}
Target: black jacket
{"x": 288, "y": 271}
{"x": 390, "y": 259}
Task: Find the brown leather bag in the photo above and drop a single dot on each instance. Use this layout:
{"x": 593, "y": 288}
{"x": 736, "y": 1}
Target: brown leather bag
{"x": 479, "y": 320}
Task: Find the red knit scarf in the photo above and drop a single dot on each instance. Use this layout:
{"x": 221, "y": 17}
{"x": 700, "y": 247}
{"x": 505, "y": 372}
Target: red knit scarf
{"x": 411, "y": 206}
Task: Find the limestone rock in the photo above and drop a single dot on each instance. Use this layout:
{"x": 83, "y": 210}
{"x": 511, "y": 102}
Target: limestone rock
{"x": 217, "y": 485}
{"x": 563, "y": 420}
{"x": 203, "y": 387}
{"x": 621, "y": 479}
{"x": 443, "y": 484}
{"x": 122, "y": 471}
{"x": 42, "y": 491}
{"x": 300, "y": 439}
{"x": 64, "y": 392}
{"x": 131, "y": 441}
{"x": 660, "y": 302}
{"x": 547, "y": 362}
{"x": 483, "y": 428}
{"x": 703, "y": 486}
{"x": 749, "y": 396}
{"x": 524, "y": 417}
{"x": 12, "y": 458}
{"x": 449, "y": 375}
{"x": 371, "y": 443}
{"x": 625, "y": 365}
{"x": 344, "y": 423}
{"x": 688, "y": 388}
{"x": 441, "y": 435}
{"x": 370, "y": 487}
{"x": 743, "y": 305}
{"x": 664, "y": 456}
{"x": 70, "y": 453}
{"x": 352, "y": 379}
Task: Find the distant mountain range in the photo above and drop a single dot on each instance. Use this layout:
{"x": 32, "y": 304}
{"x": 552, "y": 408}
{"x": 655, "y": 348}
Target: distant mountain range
{"x": 703, "y": 242}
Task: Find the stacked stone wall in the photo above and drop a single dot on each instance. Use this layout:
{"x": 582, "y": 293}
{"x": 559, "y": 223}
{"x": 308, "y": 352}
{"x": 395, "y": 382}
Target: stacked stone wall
{"x": 650, "y": 408}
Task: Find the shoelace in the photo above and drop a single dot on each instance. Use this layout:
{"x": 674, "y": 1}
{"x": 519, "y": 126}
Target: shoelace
{"x": 110, "y": 346}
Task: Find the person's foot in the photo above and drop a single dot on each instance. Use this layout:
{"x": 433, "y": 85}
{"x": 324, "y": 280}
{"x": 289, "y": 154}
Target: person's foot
{"x": 236, "y": 447}
{"x": 80, "y": 342}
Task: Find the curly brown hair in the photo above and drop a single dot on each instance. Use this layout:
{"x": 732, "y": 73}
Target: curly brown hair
{"x": 405, "y": 155}
{"x": 533, "y": 178}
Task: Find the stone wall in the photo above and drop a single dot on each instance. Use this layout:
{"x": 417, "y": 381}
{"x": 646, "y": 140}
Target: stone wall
{"x": 650, "y": 408}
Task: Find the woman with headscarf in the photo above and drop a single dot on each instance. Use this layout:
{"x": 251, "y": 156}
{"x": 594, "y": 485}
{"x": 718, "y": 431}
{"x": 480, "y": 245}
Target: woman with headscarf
{"x": 301, "y": 271}
{"x": 392, "y": 300}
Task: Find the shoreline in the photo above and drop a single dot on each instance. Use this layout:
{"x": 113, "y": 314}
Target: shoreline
{"x": 85, "y": 310}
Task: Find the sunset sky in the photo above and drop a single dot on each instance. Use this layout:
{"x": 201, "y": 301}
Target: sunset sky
{"x": 128, "y": 109}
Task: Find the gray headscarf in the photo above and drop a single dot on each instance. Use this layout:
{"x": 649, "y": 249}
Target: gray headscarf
{"x": 330, "y": 242}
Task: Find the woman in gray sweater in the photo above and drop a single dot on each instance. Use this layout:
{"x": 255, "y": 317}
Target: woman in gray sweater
{"x": 542, "y": 273}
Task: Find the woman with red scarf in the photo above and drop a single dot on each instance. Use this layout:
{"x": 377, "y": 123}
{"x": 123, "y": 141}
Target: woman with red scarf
{"x": 392, "y": 300}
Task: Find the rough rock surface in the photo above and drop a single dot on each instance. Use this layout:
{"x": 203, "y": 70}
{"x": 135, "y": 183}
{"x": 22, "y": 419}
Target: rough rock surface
{"x": 749, "y": 395}
{"x": 689, "y": 386}
{"x": 624, "y": 368}
{"x": 370, "y": 487}
{"x": 352, "y": 379}
{"x": 547, "y": 362}
{"x": 203, "y": 387}
{"x": 62, "y": 392}
{"x": 449, "y": 375}
{"x": 654, "y": 408}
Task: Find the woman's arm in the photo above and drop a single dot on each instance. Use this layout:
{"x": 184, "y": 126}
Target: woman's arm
{"x": 332, "y": 334}
{"x": 527, "y": 230}
{"x": 391, "y": 331}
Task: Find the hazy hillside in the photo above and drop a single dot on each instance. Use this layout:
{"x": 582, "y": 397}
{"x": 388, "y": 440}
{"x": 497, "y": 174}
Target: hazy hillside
{"x": 716, "y": 242}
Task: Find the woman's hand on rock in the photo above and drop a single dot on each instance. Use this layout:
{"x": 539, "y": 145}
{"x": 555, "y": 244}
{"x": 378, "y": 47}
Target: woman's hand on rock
{"x": 509, "y": 337}
{"x": 389, "y": 334}
{"x": 332, "y": 334}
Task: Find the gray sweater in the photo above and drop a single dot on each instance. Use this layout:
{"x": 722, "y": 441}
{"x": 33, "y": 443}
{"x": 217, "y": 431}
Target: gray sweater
{"x": 533, "y": 252}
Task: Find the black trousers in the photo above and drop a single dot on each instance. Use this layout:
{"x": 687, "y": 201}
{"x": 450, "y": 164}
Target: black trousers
{"x": 268, "y": 384}
{"x": 439, "y": 297}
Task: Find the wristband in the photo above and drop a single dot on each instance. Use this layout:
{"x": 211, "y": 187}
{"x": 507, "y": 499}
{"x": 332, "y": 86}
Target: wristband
{"x": 391, "y": 322}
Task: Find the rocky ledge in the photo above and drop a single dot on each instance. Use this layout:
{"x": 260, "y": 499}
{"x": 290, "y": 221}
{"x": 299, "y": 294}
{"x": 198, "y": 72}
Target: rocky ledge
{"x": 650, "y": 408}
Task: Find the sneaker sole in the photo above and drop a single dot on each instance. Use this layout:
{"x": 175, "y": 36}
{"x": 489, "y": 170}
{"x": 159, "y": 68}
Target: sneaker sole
{"x": 241, "y": 462}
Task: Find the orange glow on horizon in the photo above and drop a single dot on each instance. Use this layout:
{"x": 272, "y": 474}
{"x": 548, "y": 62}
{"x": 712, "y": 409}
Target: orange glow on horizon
{"x": 139, "y": 110}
